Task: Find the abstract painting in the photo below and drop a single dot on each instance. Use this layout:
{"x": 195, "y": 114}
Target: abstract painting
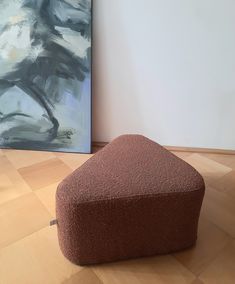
{"x": 45, "y": 75}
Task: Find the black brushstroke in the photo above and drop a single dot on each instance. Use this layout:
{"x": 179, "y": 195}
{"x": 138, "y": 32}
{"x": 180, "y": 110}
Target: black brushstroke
{"x": 12, "y": 114}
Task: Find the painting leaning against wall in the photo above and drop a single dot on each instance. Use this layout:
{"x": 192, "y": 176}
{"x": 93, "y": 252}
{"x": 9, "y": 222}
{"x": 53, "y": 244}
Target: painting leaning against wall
{"x": 45, "y": 75}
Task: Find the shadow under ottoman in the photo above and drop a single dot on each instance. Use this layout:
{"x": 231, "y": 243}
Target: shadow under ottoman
{"x": 132, "y": 199}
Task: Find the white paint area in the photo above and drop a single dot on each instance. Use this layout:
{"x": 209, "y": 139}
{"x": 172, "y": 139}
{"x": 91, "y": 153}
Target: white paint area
{"x": 71, "y": 15}
{"x": 15, "y": 42}
{"x": 73, "y": 41}
{"x": 165, "y": 69}
{"x": 14, "y": 47}
{"x": 11, "y": 10}
{"x": 21, "y": 103}
{"x": 76, "y": 3}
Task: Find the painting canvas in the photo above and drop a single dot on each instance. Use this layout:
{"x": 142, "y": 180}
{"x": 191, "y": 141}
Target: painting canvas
{"x": 45, "y": 75}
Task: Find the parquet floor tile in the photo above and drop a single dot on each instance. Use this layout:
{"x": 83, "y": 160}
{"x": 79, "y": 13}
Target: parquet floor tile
{"x": 35, "y": 259}
{"x": 12, "y": 185}
{"x": 47, "y": 197}
{"x": 21, "y": 159}
{"x": 222, "y": 269}
{"x": 211, "y": 241}
{"x": 73, "y": 160}
{"x": 219, "y": 208}
{"x": 20, "y": 217}
{"x": 210, "y": 169}
{"x": 160, "y": 269}
{"x": 85, "y": 276}
{"x": 44, "y": 173}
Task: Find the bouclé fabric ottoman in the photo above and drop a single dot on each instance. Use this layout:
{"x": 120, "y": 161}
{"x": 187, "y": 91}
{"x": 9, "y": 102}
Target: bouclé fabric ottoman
{"x": 132, "y": 199}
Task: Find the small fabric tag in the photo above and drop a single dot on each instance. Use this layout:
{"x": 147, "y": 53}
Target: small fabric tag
{"x": 53, "y": 222}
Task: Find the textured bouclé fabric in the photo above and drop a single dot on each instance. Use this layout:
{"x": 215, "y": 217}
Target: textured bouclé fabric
{"x": 132, "y": 199}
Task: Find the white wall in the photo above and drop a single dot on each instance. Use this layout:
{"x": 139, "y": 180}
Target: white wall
{"x": 166, "y": 69}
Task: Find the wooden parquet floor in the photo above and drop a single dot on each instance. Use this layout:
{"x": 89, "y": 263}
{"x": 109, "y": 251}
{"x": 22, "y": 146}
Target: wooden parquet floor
{"x": 29, "y": 251}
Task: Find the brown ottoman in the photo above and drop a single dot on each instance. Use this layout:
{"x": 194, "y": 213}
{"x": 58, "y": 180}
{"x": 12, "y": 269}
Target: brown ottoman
{"x": 131, "y": 199}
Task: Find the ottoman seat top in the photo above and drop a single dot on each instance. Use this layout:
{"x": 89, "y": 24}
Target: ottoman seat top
{"x": 131, "y": 166}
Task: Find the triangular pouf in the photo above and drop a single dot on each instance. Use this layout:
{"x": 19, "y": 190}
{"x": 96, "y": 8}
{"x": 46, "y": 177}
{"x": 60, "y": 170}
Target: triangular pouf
{"x": 132, "y": 199}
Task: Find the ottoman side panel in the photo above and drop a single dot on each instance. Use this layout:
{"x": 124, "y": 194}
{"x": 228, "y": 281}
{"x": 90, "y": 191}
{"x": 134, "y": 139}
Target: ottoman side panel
{"x": 116, "y": 229}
